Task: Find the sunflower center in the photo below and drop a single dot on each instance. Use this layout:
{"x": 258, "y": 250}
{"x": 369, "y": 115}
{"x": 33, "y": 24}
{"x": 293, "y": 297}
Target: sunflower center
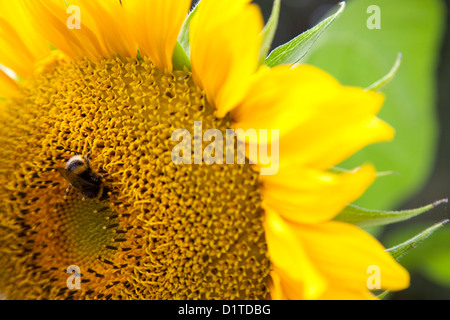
{"x": 166, "y": 230}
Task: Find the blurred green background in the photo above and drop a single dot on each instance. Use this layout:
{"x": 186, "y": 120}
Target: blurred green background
{"x": 417, "y": 106}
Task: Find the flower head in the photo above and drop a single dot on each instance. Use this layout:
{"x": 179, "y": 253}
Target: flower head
{"x": 169, "y": 230}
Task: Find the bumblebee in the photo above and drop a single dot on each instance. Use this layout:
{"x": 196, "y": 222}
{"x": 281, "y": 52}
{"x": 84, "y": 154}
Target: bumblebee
{"x": 81, "y": 176}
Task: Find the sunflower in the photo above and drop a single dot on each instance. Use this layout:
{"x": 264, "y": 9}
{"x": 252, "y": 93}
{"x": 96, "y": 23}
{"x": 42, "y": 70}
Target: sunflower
{"x": 104, "y": 84}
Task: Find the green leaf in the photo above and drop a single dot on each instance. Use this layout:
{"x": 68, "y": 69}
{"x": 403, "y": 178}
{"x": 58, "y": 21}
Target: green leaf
{"x": 269, "y": 31}
{"x": 431, "y": 258}
{"x": 294, "y": 50}
{"x": 183, "y": 37}
{"x": 370, "y": 218}
{"x": 383, "y": 82}
{"x": 359, "y": 56}
{"x": 180, "y": 59}
{"x": 400, "y": 250}
{"x": 181, "y": 53}
{"x": 338, "y": 170}
{"x": 383, "y": 294}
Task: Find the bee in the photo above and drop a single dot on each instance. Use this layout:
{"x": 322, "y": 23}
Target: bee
{"x": 81, "y": 176}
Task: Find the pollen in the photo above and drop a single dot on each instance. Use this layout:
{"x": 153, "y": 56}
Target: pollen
{"x": 165, "y": 230}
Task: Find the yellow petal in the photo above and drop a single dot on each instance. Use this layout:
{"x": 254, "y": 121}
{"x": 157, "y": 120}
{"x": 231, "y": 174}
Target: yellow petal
{"x": 285, "y": 98}
{"x": 323, "y": 150}
{"x": 156, "y": 25}
{"x": 20, "y": 44}
{"x": 50, "y": 61}
{"x": 289, "y": 259}
{"x": 225, "y": 43}
{"x": 338, "y": 131}
{"x": 338, "y": 293}
{"x": 13, "y": 52}
{"x": 345, "y": 254}
{"x": 50, "y": 18}
{"x": 16, "y": 14}
{"x": 320, "y": 122}
{"x": 309, "y": 196}
{"x": 275, "y": 287}
{"x": 8, "y": 87}
{"x": 107, "y": 18}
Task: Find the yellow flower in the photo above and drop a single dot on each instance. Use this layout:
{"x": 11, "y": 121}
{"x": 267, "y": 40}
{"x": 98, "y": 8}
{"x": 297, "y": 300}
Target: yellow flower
{"x": 167, "y": 230}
